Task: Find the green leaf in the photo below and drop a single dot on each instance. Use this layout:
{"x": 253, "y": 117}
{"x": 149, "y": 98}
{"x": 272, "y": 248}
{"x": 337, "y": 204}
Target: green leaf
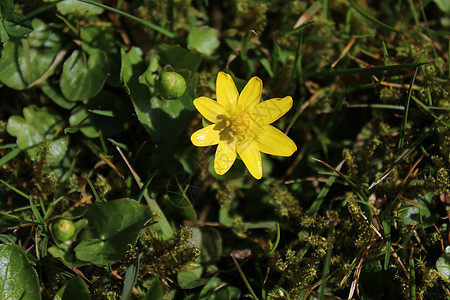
{"x": 76, "y": 7}
{"x": 6, "y": 7}
{"x": 36, "y": 126}
{"x": 24, "y": 61}
{"x": 18, "y": 279}
{"x": 17, "y": 25}
{"x": 130, "y": 279}
{"x": 179, "y": 57}
{"x": 4, "y": 37}
{"x": 227, "y": 292}
{"x": 112, "y": 227}
{"x": 99, "y": 38}
{"x": 422, "y": 213}
{"x": 191, "y": 279}
{"x": 211, "y": 246}
{"x": 43, "y": 36}
{"x": 443, "y": 263}
{"x": 93, "y": 125}
{"x": 66, "y": 257}
{"x": 210, "y": 289}
{"x": 443, "y": 5}
{"x": 163, "y": 120}
{"x": 132, "y": 67}
{"x": 83, "y": 77}
{"x": 156, "y": 291}
{"x": 54, "y": 93}
{"x": 103, "y": 38}
{"x": 74, "y": 289}
{"x": 13, "y": 23}
{"x": 203, "y": 39}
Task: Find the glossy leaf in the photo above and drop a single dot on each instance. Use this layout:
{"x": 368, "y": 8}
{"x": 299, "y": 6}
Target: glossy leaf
{"x": 210, "y": 289}
{"x": 421, "y": 213}
{"x": 203, "y": 39}
{"x": 443, "y": 5}
{"x": 73, "y": 6}
{"x": 156, "y": 290}
{"x": 54, "y": 93}
{"x": 443, "y": 263}
{"x": 112, "y": 227}
{"x": 66, "y": 257}
{"x": 12, "y": 23}
{"x": 191, "y": 279}
{"x": 211, "y": 246}
{"x": 18, "y": 70}
{"x": 36, "y": 126}
{"x": 93, "y": 125}
{"x": 83, "y": 75}
{"x": 179, "y": 57}
{"x": 163, "y": 120}
{"x": 18, "y": 279}
{"x": 103, "y": 38}
{"x": 74, "y": 289}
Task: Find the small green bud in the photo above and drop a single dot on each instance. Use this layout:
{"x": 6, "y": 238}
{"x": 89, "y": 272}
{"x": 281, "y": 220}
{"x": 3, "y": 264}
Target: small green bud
{"x": 171, "y": 85}
{"x": 63, "y": 230}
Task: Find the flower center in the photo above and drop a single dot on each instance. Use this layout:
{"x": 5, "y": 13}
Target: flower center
{"x": 239, "y": 126}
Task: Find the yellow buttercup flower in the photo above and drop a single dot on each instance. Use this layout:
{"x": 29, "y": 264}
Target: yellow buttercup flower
{"x": 241, "y": 125}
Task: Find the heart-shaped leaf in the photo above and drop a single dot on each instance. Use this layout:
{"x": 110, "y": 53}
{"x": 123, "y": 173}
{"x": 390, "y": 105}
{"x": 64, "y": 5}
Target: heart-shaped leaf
{"x": 18, "y": 279}
{"x": 203, "y": 39}
{"x": 83, "y": 75}
{"x": 75, "y": 288}
{"x": 112, "y": 227}
{"x": 36, "y": 126}
{"x": 19, "y": 68}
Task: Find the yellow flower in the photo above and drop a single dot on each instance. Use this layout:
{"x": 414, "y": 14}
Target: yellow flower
{"x": 241, "y": 125}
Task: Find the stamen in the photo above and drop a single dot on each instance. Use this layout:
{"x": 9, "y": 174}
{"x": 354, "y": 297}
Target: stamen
{"x": 239, "y": 126}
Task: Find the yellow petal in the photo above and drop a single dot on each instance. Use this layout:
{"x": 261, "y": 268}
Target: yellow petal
{"x": 226, "y": 91}
{"x": 209, "y": 108}
{"x": 249, "y": 153}
{"x": 206, "y": 136}
{"x": 271, "y": 110}
{"x": 272, "y": 141}
{"x": 250, "y": 95}
{"x": 225, "y": 157}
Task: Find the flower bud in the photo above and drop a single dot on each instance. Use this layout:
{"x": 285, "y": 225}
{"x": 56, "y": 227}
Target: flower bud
{"x": 171, "y": 85}
{"x": 63, "y": 230}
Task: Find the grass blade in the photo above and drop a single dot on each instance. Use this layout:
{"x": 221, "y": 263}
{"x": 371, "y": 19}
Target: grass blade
{"x": 145, "y": 186}
{"x": 275, "y": 245}
{"x": 361, "y": 70}
{"x": 323, "y": 193}
{"x": 130, "y": 279}
{"x": 425, "y": 133}
{"x": 166, "y": 32}
{"x": 387, "y": 237}
{"x": 355, "y": 188}
{"x": 15, "y": 189}
{"x": 327, "y": 262}
{"x": 370, "y": 18}
{"x": 247, "y": 284}
{"x": 11, "y": 154}
{"x": 163, "y": 224}
{"x": 412, "y": 279}
{"x": 428, "y": 110}
{"x": 94, "y": 191}
{"x": 405, "y": 114}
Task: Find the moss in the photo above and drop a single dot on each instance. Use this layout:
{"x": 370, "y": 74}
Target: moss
{"x": 250, "y": 15}
{"x": 285, "y": 204}
{"x": 165, "y": 258}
